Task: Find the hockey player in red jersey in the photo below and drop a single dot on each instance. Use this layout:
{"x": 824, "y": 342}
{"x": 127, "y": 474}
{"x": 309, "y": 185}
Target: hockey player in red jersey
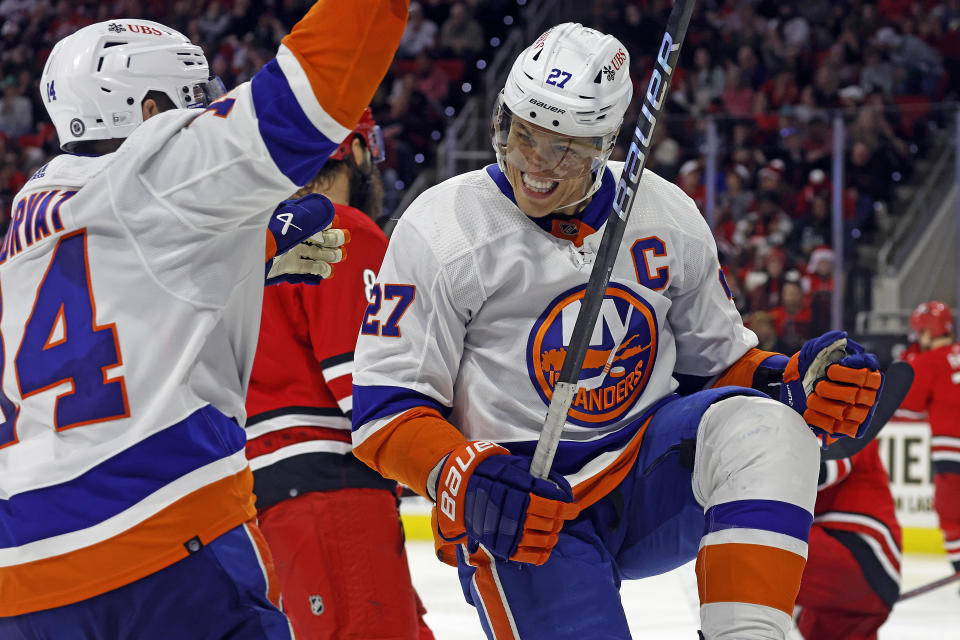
{"x": 936, "y": 391}
{"x": 331, "y": 522}
{"x": 852, "y": 577}
{"x": 132, "y": 277}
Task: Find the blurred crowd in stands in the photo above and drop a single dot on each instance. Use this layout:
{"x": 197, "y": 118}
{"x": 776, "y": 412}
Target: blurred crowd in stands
{"x": 771, "y": 74}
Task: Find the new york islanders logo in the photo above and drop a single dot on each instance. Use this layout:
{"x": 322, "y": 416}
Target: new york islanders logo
{"x": 618, "y": 362}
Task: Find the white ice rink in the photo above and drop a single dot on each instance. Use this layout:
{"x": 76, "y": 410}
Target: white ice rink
{"x": 658, "y": 609}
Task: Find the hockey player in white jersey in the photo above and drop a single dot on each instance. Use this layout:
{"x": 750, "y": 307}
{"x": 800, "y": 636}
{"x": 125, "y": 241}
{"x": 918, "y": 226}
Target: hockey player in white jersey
{"x": 131, "y": 287}
{"x": 463, "y": 342}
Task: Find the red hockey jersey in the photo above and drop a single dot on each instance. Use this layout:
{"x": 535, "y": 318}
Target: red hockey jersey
{"x": 936, "y": 390}
{"x": 301, "y": 387}
{"x": 855, "y": 505}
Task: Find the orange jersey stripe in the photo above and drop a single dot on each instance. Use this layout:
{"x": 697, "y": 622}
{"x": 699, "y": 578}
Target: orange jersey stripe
{"x": 271, "y": 250}
{"x": 345, "y": 49}
{"x": 598, "y": 486}
{"x": 409, "y": 447}
{"x": 750, "y": 573}
{"x": 740, "y": 373}
{"x": 154, "y": 544}
{"x": 273, "y": 583}
{"x": 486, "y": 583}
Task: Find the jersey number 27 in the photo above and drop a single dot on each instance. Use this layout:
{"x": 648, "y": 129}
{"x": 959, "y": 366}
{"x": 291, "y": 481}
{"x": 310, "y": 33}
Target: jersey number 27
{"x": 63, "y": 344}
{"x": 403, "y": 293}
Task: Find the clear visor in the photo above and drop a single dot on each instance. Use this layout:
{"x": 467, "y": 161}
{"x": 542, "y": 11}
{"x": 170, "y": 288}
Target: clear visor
{"x": 375, "y": 144}
{"x": 542, "y": 153}
{"x": 205, "y": 93}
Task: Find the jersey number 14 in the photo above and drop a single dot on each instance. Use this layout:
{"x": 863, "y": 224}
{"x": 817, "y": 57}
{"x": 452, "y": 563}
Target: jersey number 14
{"x": 63, "y": 344}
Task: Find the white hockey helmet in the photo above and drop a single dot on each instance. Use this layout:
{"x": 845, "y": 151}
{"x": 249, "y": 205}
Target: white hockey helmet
{"x": 95, "y": 79}
{"x": 573, "y": 82}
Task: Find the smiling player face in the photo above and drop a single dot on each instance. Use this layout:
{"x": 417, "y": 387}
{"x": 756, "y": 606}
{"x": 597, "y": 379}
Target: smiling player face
{"x": 549, "y": 172}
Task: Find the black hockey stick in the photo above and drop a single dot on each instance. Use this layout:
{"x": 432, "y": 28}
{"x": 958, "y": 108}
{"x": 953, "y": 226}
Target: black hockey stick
{"x": 936, "y": 584}
{"x": 566, "y": 386}
{"x": 896, "y": 383}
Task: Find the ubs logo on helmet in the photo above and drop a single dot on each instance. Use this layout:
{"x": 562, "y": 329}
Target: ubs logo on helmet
{"x": 619, "y": 359}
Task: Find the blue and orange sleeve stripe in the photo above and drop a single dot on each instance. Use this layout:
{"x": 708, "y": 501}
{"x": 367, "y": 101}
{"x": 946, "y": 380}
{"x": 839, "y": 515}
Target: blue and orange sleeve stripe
{"x": 345, "y": 49}
{"x": 744, "y": 372}
{"x": 408, "y": 447}
{"x": 327, "y": 69}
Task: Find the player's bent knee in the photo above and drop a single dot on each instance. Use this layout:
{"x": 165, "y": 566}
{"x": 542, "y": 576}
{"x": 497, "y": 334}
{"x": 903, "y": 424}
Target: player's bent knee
{"x": 755, "y": 448}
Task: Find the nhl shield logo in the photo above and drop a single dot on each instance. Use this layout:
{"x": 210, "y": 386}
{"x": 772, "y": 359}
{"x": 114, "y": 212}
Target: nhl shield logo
{"x": 316, "y": 605}
{"x": 619, "y": 358}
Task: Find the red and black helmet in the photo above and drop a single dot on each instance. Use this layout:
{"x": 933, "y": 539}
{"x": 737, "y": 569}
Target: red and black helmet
{"x": 933, "y": 316}
{"x": 367, "y": 129}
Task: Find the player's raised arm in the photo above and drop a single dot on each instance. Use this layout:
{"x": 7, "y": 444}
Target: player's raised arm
{"x": 246, "y": 150}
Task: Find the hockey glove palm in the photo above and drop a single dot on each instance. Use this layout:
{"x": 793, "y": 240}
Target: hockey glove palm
{"x": 487, "y": 495}
{"x": 301, "y": 240}
{"x": 834, "y": 385}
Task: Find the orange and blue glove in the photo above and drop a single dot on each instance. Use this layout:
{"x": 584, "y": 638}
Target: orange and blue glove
{"x": 834, "y": 384}
{"x": 485, "y": 494}
{"x": 303, "y": 241}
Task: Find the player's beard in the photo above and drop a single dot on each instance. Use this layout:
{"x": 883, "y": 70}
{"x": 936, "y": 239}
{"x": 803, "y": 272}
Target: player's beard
{"x": 366, "y": 190}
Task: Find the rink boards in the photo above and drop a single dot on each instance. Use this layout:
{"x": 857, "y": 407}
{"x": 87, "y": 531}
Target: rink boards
{"x": 905, "y": 451}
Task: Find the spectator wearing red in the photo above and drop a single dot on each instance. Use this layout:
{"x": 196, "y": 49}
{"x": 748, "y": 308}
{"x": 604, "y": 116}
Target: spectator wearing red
{"x": 431, "y": 79}
{"x": 764, "y": 285}
{"x": 819, "y": 275}
{"x": 793, "y": 317}
{"x": 766, "y": 119}
{"x": 738, "y": 94}
{"x": 781, "y": 89}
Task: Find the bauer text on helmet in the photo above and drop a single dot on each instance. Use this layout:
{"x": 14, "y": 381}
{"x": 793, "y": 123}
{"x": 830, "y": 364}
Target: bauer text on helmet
{"x": 558, "y": 115}
{"x": 96, "y": 78}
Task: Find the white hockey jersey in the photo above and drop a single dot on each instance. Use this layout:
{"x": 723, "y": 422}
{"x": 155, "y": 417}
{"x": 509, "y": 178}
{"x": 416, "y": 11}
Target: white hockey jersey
{"x": 476, "y": 303}
{"x": 131, "y": 289}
